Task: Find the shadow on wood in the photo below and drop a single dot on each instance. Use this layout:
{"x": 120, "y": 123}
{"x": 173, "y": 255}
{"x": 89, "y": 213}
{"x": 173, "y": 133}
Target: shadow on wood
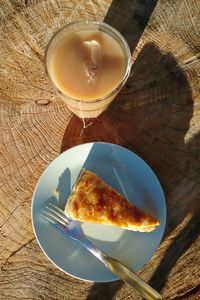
{"x": 151, "y": 116}
{"x": 97, "y": 291}
{"x": 130, "y": 18}
{"x": 177, "y": 248}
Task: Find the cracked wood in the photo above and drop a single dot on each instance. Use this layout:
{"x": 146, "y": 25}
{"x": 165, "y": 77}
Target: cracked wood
{"x": 156, "y": 115}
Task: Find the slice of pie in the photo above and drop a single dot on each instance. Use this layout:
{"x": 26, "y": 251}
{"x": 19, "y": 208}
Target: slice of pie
{"x": 94, "y": 201}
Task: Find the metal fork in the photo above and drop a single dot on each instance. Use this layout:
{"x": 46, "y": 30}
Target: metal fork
{"x": 73, "y": 229}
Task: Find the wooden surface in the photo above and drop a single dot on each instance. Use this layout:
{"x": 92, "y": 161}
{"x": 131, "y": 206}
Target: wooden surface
{"x": 156, "y": 115}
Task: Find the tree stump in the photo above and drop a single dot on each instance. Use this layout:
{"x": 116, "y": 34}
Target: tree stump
{"x": 156, "y": 115}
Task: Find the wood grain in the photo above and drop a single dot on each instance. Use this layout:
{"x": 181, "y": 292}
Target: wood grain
{"x": 157, "y": 115}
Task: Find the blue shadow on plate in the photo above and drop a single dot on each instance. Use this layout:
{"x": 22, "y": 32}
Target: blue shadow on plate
{"x": 63, "y": 188}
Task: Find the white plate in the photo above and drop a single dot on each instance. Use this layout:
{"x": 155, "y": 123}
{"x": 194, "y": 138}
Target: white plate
{"x": 124, "y": 171}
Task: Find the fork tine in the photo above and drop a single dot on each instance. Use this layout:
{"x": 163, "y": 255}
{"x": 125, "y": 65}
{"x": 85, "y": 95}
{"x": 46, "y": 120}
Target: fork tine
{"x": 48, "y": 218}
{"x": 57, "y": 213}
{"x": 54, "y": 218}
{"x": 61, "y": 211}
{"x": 60, "y": 226}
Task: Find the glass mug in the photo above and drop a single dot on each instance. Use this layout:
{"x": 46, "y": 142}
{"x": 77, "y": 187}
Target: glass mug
{"x": 94, "y": 107}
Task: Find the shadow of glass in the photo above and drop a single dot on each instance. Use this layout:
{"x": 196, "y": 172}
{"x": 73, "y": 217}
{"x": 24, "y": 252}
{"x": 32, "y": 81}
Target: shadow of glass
{"x": 132, "y": 18}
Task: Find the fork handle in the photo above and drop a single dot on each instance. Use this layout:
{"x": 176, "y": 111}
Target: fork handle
{"x": 123, "y": 272}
